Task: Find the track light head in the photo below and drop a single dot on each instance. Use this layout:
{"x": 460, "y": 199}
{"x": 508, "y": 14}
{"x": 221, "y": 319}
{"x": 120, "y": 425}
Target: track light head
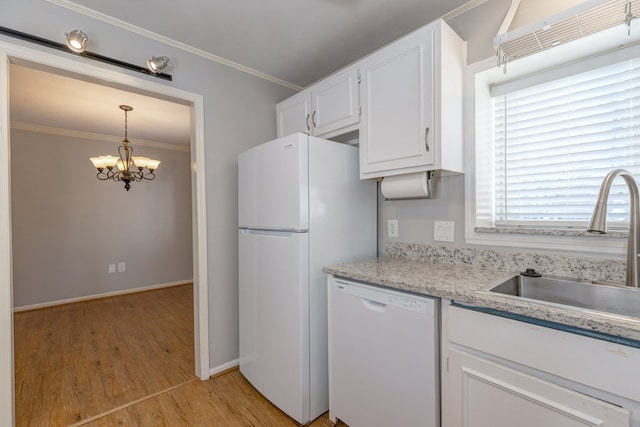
{"x": 77, "y": 41}
{"x": 157, "y": 64}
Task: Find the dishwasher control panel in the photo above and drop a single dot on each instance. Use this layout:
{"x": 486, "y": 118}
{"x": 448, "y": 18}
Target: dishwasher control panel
{"x": 382, "y": 296}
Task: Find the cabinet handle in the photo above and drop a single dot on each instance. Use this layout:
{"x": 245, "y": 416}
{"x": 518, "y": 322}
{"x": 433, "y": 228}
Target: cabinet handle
{"x": 313, "y": 119}
{"x": 426, "y": 138}
{"x": 307, "y": 121}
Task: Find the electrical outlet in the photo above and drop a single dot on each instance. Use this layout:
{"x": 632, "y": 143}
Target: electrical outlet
{"x": 112, "y": 268}
{"x": 443, "y": 231}
{"x": 392, "y": 228}
{"x": 122, "y": 267}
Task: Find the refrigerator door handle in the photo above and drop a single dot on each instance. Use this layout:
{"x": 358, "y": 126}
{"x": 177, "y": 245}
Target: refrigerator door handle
{"x": 270, "y": 231}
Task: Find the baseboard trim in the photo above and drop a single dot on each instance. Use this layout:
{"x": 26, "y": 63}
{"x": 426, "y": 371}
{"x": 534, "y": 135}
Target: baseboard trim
{"x": 216, "y": 371}
{"x": 99, "y": 296}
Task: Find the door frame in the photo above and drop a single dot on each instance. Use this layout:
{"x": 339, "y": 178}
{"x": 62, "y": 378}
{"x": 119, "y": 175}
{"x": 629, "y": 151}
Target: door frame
{"x": 14, "y": 53}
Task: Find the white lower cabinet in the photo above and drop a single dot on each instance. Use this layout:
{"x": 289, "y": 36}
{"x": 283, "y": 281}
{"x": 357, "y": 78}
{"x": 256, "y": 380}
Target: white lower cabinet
{"x": 500, "y": 372}
{"x": 486, "y": 394}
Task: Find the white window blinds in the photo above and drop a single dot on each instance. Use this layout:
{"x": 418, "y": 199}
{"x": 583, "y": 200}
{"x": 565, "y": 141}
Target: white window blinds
{"x": 555, "y": 142}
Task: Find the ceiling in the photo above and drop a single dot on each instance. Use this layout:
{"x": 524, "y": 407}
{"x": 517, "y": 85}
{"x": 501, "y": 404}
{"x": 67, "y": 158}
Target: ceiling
{"x": 296, "y": 41}
{"x": 46, "y": 100}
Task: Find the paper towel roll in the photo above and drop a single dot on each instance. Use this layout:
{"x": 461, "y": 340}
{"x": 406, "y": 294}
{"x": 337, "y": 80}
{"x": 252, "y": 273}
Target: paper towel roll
{"x": 408, "y": 186}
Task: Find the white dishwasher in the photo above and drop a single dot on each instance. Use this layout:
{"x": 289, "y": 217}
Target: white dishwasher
{"x": 383, "y": 356}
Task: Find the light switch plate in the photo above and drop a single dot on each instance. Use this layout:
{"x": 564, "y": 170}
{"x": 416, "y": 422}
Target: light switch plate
{"x": 443, "y": 231}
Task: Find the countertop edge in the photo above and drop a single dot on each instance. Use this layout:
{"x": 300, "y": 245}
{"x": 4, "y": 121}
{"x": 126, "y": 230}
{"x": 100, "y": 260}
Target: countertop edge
{"x": 463, "y": 284}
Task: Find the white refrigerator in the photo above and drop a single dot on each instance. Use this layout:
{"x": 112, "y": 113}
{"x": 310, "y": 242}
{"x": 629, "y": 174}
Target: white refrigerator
{"x": 301, "y": 206}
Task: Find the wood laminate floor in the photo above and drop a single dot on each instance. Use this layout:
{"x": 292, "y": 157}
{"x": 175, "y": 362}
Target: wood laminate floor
{"x": 126, "y": 361}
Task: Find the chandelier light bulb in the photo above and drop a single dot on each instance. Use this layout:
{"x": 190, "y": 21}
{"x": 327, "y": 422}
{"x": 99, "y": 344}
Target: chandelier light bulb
{"x": 152, "y": 164}
{"x": 97, "y": 162}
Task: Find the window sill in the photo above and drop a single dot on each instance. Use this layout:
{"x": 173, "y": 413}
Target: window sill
{"x": 535, "y": 231}
{"x": 570, "y": 242}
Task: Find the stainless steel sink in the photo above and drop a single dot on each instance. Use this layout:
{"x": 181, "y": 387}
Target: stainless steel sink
{"x": 621, "y": 300}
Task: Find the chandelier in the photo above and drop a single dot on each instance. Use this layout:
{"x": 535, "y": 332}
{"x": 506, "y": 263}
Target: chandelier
{"x": 126, "y": 167}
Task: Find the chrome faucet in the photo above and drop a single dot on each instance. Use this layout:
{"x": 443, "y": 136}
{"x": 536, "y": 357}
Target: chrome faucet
{"x": 598, "y": 223}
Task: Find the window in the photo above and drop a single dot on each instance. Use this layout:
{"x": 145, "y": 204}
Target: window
{"x": 554, "y": 142}
{"x": 542, "y": 137}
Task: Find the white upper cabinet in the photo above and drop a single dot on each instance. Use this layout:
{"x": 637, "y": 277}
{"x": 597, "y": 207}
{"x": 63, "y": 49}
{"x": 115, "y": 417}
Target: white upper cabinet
{"x": 294, "y": 114}
{"x": 411, "y": 99}
{"x": 328, "y": 108}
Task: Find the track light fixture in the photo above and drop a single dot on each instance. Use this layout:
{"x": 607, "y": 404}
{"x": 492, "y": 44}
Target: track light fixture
{"x": 77, "y": 41}
{"x": 157, "y": 64}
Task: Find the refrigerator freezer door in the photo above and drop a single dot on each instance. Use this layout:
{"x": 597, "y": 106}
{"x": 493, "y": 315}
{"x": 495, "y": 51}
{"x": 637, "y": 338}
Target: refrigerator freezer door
{"x": 273, "y": 182}
{"x": 274, "y": 320}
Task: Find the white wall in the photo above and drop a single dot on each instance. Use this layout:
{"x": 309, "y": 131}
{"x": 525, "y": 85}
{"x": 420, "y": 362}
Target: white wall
{"x": 239, "y": 113}
{"x": 68, "y": 226}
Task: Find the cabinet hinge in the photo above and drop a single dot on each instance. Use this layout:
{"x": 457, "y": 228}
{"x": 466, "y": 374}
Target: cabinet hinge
{"x": 359, "y": 110}
{"x": 447, "y": 364}
{"x": 359, "y": 78}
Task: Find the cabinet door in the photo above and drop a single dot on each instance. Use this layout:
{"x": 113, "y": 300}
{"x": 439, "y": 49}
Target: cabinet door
{"x": 294, "y": 114}
{"x": 480, "y": 393}
{"x": 335, "y": 102}
{"x": 397, "y": 90}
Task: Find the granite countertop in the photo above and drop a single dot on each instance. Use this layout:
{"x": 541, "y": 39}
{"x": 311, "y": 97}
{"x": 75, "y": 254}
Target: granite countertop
{"x": 461, "y": 284}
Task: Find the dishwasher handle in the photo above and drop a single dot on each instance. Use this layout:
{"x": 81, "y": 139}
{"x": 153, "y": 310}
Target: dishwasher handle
{"x": 374, "y": 305}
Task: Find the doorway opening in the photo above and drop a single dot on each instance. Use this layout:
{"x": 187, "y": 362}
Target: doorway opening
{"x": 11, "y": 54}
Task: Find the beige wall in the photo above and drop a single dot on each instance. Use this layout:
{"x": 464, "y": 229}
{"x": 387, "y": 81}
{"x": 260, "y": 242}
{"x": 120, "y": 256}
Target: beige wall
{"x": 68, "y": 226}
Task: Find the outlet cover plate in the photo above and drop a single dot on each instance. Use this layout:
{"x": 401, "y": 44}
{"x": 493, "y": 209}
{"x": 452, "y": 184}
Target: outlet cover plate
{"x": 392, "y": 228}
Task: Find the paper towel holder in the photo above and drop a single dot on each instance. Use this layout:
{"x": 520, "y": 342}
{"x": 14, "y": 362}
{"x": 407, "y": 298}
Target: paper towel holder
{"x": 427, "y": 186}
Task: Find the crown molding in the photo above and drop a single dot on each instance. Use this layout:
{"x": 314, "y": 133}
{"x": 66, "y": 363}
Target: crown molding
{"x": 168, "y": 41}
{"x": 96, "y": 136}
{"x": 461, "y": 10}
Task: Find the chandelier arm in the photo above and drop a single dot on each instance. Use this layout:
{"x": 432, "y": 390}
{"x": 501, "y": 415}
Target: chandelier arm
{"x": 149, "y": 176}
{"x": 102, "y": 176}
{"x": 116, "y": 175}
